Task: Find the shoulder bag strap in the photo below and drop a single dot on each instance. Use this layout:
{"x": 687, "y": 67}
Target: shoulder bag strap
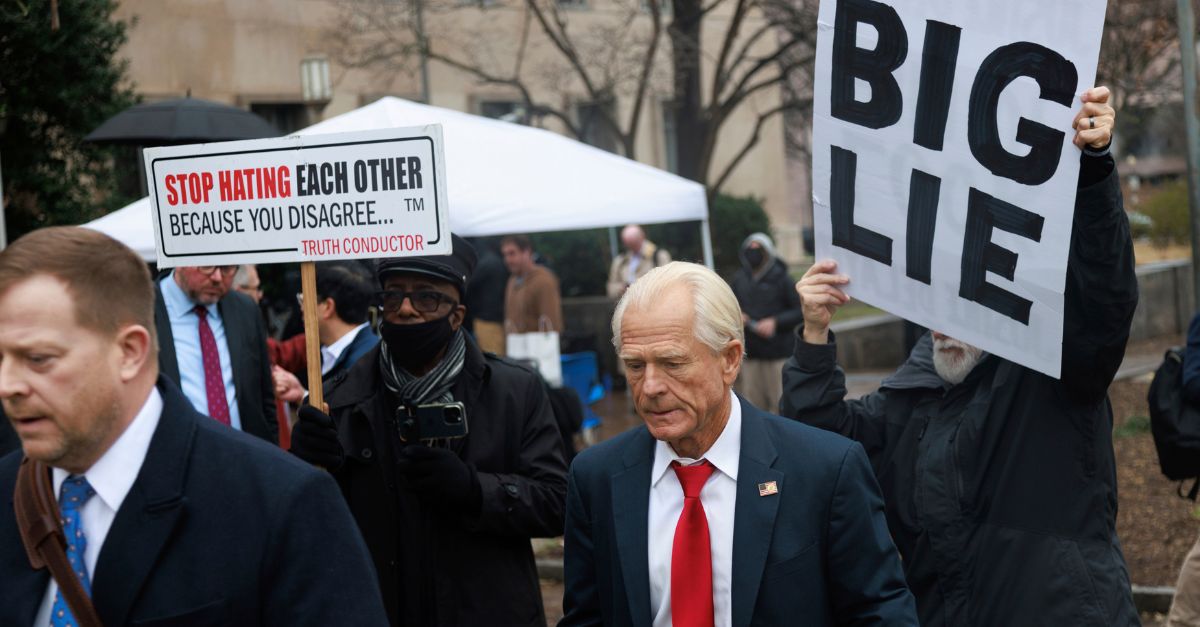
{"x": 41, "y": 533}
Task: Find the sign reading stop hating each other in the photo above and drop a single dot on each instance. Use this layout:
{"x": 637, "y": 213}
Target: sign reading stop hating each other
{"x": 944, "y": 174}
{"x": 301, "y": 198}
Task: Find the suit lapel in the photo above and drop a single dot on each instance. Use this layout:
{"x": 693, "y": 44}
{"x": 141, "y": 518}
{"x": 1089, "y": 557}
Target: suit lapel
{"x": 168, "y": 363}
{"x": 754, "y": 515}
{"x": 631, "y": 511}
{"x": 150, "y": 512}
{"x": 21, "y": 587}
{"x": 236, "y": 339}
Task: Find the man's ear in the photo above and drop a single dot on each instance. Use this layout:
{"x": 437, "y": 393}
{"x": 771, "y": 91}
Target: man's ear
{"x": 457, "y": 315}
{"x": 326, "y": 309}
{"x": 731, "y": 361}
{"x": 135, "y": 347}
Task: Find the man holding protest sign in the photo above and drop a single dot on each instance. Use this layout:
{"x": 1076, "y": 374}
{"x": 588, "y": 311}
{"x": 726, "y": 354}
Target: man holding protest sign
{"x": 999, "y": 480}
{"x": 449, "y": 458}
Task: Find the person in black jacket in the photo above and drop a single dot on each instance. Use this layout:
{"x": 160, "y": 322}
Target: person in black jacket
{"x": 770, "y": 311}
{"x": 999, "y": 481}
{"x": 9, "y": 441}
{"x": 1185, "y": 606}
{"x": 447, "y": 521}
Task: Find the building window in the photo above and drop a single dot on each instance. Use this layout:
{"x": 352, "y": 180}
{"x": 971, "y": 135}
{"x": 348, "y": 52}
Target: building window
{"x": 664, "y": 6}
{"x": 288, "y": 117}
{"x": 594, "y": 130}
{"x": 507, "y": 110}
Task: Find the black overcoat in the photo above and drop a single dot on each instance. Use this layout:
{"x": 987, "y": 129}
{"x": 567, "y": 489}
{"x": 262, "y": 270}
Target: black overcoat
{"x": 437, "y": 568}
{"x": 1001, "y": 491}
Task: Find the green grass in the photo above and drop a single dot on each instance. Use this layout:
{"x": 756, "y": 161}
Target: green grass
{"x": 1132, "y": 427}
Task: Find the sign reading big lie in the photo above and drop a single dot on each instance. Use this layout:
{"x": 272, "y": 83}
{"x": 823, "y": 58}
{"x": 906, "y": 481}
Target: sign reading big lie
{"x": 944, "y": 174}
{"x": 301, "y": 198}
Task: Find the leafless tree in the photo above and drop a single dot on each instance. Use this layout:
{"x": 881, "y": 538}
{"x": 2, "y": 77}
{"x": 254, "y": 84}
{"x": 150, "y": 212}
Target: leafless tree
{"x": 1139, "y": 56}
{"x": 617, "y": 56}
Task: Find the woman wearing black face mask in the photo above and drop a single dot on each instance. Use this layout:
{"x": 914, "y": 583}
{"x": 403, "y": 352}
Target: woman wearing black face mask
{"x": 770, "y": 310}
{"x": 447, "y": 522}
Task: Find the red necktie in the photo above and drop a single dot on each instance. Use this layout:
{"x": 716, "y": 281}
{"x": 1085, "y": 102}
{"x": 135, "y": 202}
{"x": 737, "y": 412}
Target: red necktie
{"x": 214, "y": 383}
{"x": 691, "y": 554}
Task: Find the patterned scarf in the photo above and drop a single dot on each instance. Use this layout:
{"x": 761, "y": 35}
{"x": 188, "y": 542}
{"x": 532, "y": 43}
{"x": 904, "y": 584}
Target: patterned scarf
{"x": 434, "y": 386}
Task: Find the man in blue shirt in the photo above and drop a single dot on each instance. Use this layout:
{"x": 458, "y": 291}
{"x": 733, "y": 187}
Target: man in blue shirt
{"x": 213, "y": 344}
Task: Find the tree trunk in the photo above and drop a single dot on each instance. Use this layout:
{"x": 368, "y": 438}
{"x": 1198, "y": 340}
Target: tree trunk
{"x": 691, "y": 123}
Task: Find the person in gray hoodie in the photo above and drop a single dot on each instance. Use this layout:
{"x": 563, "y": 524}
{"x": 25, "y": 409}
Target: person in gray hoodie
{"x": 770, "y": 311}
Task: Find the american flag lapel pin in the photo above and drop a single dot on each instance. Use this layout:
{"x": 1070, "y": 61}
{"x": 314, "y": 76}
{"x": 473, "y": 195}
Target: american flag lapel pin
{"x": 768, "y": 488}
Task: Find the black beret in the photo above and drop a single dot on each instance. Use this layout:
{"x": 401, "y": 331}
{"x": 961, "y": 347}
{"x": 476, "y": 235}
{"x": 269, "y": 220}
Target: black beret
{"x": 455, "y": 267}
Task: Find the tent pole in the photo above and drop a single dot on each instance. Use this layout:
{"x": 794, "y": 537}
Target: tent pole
{"x": 706, "y": 244}
{"x": 612, "y": 241}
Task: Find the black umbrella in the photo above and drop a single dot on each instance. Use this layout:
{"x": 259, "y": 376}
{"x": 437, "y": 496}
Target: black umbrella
{"x": 182, "y": 121}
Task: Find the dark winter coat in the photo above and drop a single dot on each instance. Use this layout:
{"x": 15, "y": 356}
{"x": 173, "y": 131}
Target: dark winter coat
{"x": 441, "y": 569}
{"x": 772, "y": 294}
{"x": 1001, "y": 491}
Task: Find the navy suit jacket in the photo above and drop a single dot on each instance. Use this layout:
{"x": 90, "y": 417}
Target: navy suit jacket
{"x": 816, "y": 553}
{"x": 246, "y": 336}
{"x": 219, "y": 528}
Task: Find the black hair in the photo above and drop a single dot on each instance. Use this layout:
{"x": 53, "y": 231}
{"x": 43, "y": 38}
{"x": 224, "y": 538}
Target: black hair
{"x": 351, "y": 287}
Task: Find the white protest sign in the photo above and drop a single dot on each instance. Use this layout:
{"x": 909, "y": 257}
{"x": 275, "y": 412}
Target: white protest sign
{"x": 944, "y": 173}
{"x": 301, "y": 198}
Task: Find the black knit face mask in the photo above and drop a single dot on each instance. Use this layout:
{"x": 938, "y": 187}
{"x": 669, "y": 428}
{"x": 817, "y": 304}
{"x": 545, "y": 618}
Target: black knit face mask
{"x": 755, "y": 256}
{"x": 414, "y": 345}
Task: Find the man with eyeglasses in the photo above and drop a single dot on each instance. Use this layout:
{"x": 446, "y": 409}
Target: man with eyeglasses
{"x": 447, "y": 521}
{"x": 213, "y": 343}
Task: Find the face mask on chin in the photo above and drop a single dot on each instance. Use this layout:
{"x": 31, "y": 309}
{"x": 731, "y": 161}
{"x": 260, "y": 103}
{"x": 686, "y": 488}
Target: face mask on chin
{"x": 412, "y": 346}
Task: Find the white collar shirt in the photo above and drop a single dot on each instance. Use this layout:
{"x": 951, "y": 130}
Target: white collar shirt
{"x": 331, "y": 353}
{"x": 112, "y": 477}
{"x": 719, "y": 497}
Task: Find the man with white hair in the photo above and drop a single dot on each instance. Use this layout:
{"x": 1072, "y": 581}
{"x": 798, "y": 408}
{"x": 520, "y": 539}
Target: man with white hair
{"x": 1000, "y": 481}
{"x": 640, "y": 256}
{"x": 716, "y": 513}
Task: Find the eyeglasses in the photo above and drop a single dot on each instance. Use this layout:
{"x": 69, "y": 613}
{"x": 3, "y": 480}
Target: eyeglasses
{"x": 225, "y": 270}
{"x": 424, "y": 301}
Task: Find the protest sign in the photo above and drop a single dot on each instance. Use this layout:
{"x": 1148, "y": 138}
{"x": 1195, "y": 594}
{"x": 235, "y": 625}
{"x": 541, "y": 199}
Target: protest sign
{"x": 944, "y": 173}
{"x": 300, "y": 198}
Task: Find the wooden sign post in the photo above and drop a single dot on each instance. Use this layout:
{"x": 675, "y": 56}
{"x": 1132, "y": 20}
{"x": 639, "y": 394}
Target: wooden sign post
{"x": 312, "y": 338}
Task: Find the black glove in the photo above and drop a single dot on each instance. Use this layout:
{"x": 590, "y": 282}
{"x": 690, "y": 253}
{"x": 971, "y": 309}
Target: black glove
{"x": 314, "y": 439}
{"x": 440, "y": 477}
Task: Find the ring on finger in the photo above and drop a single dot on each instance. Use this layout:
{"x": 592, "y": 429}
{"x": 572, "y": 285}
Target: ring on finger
{"x": 1091, "y": 122}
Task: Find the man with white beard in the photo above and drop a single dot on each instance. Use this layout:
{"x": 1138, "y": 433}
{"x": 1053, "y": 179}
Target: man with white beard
{"x": 999, "y": 482}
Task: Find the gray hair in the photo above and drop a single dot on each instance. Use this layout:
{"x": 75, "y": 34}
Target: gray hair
{"x": 242, "y": 276}
{"x": 718, "y": 318}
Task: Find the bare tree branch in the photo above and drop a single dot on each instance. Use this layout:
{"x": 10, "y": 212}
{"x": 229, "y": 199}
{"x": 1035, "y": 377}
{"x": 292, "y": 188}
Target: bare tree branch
{"x": 731, "y": 34}
{"x": 741, "y": 91}
{"x": 715, "y": 188}
{"x": 643, "y": 82}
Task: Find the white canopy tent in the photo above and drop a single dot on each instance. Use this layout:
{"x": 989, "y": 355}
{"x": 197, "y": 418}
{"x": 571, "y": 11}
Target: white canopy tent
{"x": 503, "y": 178}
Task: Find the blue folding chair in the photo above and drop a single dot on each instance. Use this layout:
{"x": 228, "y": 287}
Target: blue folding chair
{"x": 581, "y": 372}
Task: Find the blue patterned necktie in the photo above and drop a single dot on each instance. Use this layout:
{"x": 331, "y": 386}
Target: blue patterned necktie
{"x": 75, "y": 492}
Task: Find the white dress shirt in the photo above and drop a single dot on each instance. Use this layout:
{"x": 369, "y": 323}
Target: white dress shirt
{"x": 331, "y": 353}
{"x": 719, "y": 496}
{"x": 111, "y": 477}
{"x": 185, "y": 327}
